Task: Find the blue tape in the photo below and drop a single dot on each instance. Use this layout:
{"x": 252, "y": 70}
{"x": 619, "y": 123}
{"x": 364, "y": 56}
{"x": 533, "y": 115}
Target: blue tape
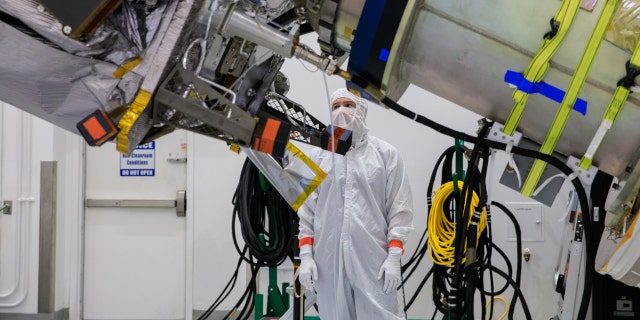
{"x": 384, "y": 55}
{"x": 543, "y": 88}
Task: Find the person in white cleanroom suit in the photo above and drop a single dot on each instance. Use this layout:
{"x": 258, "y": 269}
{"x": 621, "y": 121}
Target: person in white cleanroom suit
{"x": 353, "y": 227}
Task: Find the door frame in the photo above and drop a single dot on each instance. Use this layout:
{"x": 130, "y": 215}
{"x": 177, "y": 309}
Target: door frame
{"x": 76, "y": 308}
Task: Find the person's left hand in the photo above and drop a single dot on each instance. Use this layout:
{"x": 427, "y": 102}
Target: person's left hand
{"x": 391, "y": 270}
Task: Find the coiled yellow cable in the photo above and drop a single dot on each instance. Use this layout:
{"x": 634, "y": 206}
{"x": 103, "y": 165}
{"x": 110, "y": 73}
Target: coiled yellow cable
{"x": 506, "y": 306}
{"x": 442, "y": 231}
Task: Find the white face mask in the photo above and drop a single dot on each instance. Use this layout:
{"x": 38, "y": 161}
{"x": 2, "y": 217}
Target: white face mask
{"x": 343, "y": 117}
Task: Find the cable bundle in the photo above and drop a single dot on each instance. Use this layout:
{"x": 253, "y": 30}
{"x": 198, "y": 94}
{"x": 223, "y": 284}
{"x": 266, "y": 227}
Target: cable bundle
{"x": 550, "y": 159}
{"x": 255, "y": 202}
{"x": 452, "y": 217}
{"x": 441, "y": 226}
{"x": 245, "y": 303}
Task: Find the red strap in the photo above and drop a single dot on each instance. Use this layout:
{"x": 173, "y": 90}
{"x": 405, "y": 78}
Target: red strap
{"x": 266, "y": 141}
{"x": 397, "y": 244}
{"x": 305, "y": 241}
{"x": 333, "y": 143}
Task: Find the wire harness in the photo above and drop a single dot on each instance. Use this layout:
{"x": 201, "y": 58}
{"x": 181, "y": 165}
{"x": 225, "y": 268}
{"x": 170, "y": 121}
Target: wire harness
{"x": 441, "y": 226}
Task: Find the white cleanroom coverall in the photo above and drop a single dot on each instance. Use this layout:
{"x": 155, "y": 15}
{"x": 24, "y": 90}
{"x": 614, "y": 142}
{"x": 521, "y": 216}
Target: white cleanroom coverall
{"x": 357, "y": 217}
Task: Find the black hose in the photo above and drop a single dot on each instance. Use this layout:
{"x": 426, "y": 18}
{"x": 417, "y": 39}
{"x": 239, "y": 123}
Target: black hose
{"x": 518, "y": 252}
{"x": 421, "y": 249}
{"x": 270, "y": 246}
{"x": 465, "y": 197}
{"x": 582, "y": 196}
{"x": 225, "y": 292}
{"x": 419, "y": 289}
{"x": 509, "y": 272}
{"x": 517, "y": 290}
{"x": 253, "y": 199}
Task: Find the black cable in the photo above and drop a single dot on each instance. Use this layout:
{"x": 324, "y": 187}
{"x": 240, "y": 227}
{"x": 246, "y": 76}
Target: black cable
{"x": 248, "y": 293}
{"x": 422, "y": 247}
{"x": 225, "y": 292}
{"x": 483, "y": 303}
{"x": 473, "y": 236}
{"x": 533, "y": 154}
{"x": 486, "y": 236}
{"x": 488, "y": 257}
{"x": 465, "y": 197}
{"x": 439, "y": 288}
{"x": 600, "y": 190}
{"x": 251, "y": 205}
{"x": 434, "y": 313}
{"x": 517, "y": 290}
{"x": 582, "y": 196}
{"x": 253, "y": 199}
{"x": 475, "y": 179}
{"x": 440, "y": 291}
{"x": 480, "y": 187}
{"x": 518, "y": 251}
{"x": 418, "y": 290}
{"x": 509, "y": 272}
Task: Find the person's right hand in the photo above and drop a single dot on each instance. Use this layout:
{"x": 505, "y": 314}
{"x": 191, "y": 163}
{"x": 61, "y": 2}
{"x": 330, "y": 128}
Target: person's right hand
{"x": 308, "y": 271}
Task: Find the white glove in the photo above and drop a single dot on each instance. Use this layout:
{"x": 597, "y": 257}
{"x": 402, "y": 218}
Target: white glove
{"x": 308, "y": 271}
{"x": 391, "y": 270}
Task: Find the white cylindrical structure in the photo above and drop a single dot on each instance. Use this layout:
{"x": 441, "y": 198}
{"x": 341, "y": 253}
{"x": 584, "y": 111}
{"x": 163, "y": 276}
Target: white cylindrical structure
{"x": 236, "y": 23}
{"x": 461, "y": 50}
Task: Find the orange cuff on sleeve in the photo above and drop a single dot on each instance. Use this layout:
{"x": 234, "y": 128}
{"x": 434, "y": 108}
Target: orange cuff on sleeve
{"x": 397, "y": 244}
{"x": 308, "y": 240}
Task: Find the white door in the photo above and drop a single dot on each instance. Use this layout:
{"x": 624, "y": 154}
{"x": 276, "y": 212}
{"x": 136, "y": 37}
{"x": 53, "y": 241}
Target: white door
{"x": 135, "y": 257}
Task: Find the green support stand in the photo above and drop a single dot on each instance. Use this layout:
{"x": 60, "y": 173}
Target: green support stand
{"x": 258, "y": 302}
{"x": 459, "y": 174}
{"x": 277, "y": 299}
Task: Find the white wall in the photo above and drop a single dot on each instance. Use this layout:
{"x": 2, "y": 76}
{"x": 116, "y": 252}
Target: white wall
{"x": 18, "y": 231}
{"x": 25, "y": 142}
{"x": 68, "y": 151}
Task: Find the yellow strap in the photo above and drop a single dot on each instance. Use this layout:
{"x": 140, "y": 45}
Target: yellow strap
{"x": 315, "y": 182}
{"x": 539, "y": 65}
{"x": 562, "y": 115}
{"x": 120, "y": 72}
{"x": 610, "y": 115}
{"x": 129, "y": 118}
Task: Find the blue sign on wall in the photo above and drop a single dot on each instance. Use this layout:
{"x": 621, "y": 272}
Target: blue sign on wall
{"x": 140, "y": 163}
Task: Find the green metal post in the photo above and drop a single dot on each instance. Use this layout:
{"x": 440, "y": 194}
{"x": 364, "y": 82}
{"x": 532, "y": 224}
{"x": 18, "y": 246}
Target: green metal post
{"x": 258, "y": 304}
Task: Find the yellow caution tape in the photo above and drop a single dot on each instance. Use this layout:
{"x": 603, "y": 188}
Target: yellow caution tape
{"x": 122, "y": 70}
{"x": 129, "y": 118}
{"x": 539, "y": 65}
{"x": 315, "y": 182}
{"x": 562, "y": 115}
